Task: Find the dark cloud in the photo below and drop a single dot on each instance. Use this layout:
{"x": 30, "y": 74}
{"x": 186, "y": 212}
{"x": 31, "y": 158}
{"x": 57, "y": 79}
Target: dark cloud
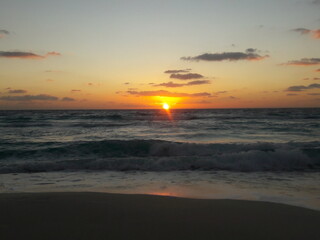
{"x": 22, "y": 55}
{"x": 67, "y": 99}
{"x": 292, "y": 94}
{"x": 169, "y": 85}
{"x": 14, "y": 91}
{"x": 177, "y": 71}
{"x": 316, "y": 2}
{"x": 26, "y": 55}
{"x": 304, "y": 62}
{"x": 126, "y": 83}
{"x": 164, "y": 93}
{"x": 302, "y": 30}
{"x": 318, "y": 70}
{"x": 249, "y": 54}
{"x": 314, "y": 94}
{"x": 314, "y": 33}
{"x": 302, "y": 88}
{"x": 186, "y": 76}
{"x": 40, "y": 97}
{"x": 198, "y": 82}
{"x": 174, "y": 85}
{"x": 4, "y": 33}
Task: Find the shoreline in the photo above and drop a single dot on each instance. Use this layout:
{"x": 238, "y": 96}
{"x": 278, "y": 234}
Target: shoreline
{"x": 88, "y": 215}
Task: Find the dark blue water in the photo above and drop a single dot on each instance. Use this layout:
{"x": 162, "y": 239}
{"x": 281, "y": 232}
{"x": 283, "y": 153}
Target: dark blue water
{"x": 153, "y": 140}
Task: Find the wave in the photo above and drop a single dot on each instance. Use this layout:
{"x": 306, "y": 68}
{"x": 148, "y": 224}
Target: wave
{"x": 154, "y": 155}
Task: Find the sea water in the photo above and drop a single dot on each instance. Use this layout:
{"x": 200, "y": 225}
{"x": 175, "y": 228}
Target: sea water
{"x": 256, "y": 154}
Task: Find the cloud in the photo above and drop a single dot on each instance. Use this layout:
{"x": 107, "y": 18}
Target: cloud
{"x": 14, "y": 91}
{"x": 316, "y": 2}
{"x": 40, "y": 97}
{"x": 221, "y": 92}
{"x": 164, "y": 93}
{"x": 232, "y": 97}
{"x": 75, "y": 90}
{"x": 178, "y": 71}
{"x": 249, "y": 54}
{"x": 315, "y": 78}
{"x": 174, "y": 85}
{"x": 292, "y": 94}
{"x": 304, "y": 62}
{"x": 302, "y": 88}
{"x": 318, "y": 70}
{"x": 314, "y": 33}
{"x": 3, "y": 33}
{"x": 302, "y": 30}
{"x": 26, "y": 55}
{"x": 186, "y": 76}
{"x": 53, "y": 54}
{"x": 314, "y": 94}
{"x": 169, "y": 85}
{"x": 67, "y": 99}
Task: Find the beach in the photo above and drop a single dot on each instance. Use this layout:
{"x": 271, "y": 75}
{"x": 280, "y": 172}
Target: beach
{"x": 124, "y": 216}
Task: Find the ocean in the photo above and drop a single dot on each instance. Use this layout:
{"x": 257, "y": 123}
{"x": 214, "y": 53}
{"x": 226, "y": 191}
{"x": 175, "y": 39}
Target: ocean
{"x": 255, "y": 154}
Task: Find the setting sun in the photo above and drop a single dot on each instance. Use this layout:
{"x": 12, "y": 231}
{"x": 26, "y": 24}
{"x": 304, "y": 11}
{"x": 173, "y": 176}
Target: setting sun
{"x": 166, "y": 106}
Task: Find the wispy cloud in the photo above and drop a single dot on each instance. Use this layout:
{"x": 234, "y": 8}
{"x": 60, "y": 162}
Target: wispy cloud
{"x": 314, "y": 94}
{"x": 174, "y": 85}
{"x": 75, "y": 90}
{"x": 3, "y": 33}
{"x": 53, "y": 71}
{"x": 178, "y": 71}
{"x": 53, "y": 54}
{"x": 16, "y": 91}
{"x": 302, "y": 87}
{"x": 40, "y": 97}
{"x": 250, "y": 54}
{"x": 67, "y": 99}
{"x": 164, "y": 93}
{"x": 292, "y": 94}
{"x": 186, "y": 76}
{"x": 304, "y": 31}
{"x": 304, "y": 62}
{"x": 26, "y": 55}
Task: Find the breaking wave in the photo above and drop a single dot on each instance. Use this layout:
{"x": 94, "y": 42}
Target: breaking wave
{"x": 156, "y": 155}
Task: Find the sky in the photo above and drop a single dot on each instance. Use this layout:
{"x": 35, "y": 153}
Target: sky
{"x": 125, "y": 54}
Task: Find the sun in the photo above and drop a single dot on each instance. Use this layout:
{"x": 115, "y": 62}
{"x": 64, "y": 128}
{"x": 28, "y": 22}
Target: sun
{"x": 166, "y": 106}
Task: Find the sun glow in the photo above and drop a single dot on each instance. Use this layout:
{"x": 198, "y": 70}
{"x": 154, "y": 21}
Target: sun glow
{"x": 166, "y": 106}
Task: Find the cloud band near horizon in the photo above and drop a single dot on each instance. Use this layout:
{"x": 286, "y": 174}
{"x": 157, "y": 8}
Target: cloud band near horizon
{"x": 250, "y": 54}
{"x": 26, "y": 55}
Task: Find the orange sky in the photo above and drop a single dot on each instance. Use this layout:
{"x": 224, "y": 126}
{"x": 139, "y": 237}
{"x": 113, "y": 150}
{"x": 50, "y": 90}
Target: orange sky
{"x": 190, "y": 54}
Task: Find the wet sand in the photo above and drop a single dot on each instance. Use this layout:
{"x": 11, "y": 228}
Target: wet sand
{"x": 120, "y": 216}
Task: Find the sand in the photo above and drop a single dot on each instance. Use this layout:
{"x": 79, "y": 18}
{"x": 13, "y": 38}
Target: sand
{"x": 118, "y": 216}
